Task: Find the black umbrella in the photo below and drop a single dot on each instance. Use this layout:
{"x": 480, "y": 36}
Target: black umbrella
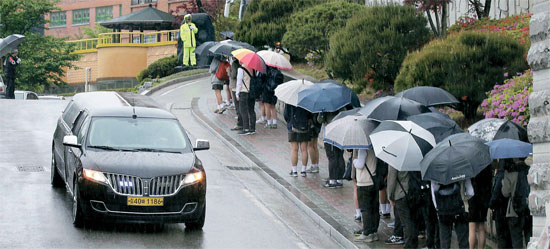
{"x": 437, "y": 124}
{"x": 429, "y": 95}
{"x": 392, "y": 108}
{"x": 203, "y": 49}
{"x": 10, "y": 43}
{"x": 242, "y": 44}
{"x": 354, "y": 98}
{"x": 494, "y": 128}
{"x": 227, "y": 34}
{"x": 224, "y": 48}
{"x": 456, "y": 158}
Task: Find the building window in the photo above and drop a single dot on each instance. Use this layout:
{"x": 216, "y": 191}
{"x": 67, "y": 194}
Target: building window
{"x": 58, "y": 19}
{"x": 103, "y": 13}
{"x": 137, "y": 2}
{"x": 81, "y": 16}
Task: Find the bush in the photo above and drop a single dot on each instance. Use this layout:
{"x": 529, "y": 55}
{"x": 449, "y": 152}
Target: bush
{"x": 160, "y": 68}
{"x": 309, "y": 30}
{"x": 370, "y": 49}
{"x": 510, "y": 100}
{"x": 466, "y": 64}
{"x": 264, "y": 22}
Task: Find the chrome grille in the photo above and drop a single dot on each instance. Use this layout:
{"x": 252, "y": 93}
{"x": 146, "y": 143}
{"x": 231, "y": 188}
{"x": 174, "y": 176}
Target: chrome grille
{"x": 125, "y": 184}
{"x": 165, "y": 185}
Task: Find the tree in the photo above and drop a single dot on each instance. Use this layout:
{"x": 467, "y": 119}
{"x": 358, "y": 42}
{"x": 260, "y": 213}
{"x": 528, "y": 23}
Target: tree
{"x": 43, "y": 58}
{"x": 439, "y": 10}
{"x": 466, "y": 64}
{"x": 309, "y": 30}
{"x": 94, "y": 32}
{"x": 481, "y": 10}
{"x": 265, "y": 21}
{"x": 374, "y": 42}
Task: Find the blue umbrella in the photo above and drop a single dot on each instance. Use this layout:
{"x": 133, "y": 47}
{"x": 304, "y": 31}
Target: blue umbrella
{"x": 324, "y": 97}
{"x": 354, "y": 98}
{"x": 509, "y": 148}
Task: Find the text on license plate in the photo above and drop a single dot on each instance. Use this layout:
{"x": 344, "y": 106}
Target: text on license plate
{"x": 145, "y": 201}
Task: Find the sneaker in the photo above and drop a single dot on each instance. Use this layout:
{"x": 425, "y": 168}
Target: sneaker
{"x": 237, "y": 128}
{"x": 259, "y": 121}
{"x": 357, "y": 218}
{"x": 231, "y": 106}
{"x": 374, "y": 237}
{"x": 312, "y": 169}
{"x": 243, "y": 132}
{"x": 338, "y": 184}
{"x": 273, "y": 126}
{"x": 293, "y": 173}
{"x": 217, "y": 110}
{"x": 303, "y": 174}
{"x": 395, "y": 240}
{"x": 267, "y": 126}
{"x": 363, "y": 238}
{"x": 329, "y": 185}
{"x": 221, "y": 110}
{"x": 392, "y": 225}
{"x": 251, "y": 132}
{"x": 358, "y": 232}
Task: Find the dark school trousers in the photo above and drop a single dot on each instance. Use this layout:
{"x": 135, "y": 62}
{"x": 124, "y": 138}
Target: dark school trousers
{"x": 367, "y": 196}
{"x": 246, "y": 105}
{"x": 336, "y": 164}
{"x": 460, "y": 223}
{"x": 408, "y": 220}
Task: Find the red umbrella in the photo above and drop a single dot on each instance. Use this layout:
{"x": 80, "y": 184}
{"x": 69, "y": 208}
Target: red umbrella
{"x": 254, "y": 61}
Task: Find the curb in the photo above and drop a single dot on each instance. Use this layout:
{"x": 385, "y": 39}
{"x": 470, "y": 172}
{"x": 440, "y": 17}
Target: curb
{"x": 331, "y": 227}
{"x": 173, "y": 82}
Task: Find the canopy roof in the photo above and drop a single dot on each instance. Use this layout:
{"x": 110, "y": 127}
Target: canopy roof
{"x": 145, "y": 19}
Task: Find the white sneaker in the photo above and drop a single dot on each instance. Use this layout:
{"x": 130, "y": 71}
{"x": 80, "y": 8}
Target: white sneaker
{"x": 259, "y": 121}
{"x": 361, "y": 238}
{"x": 312, "y": 169}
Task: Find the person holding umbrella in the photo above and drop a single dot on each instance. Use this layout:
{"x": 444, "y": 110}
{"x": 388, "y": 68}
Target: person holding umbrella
{"x": 10, "y": 71}
{"x": 187, "y": 36}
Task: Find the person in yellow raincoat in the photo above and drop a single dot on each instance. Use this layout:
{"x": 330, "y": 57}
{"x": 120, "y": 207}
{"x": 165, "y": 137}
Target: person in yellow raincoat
{"x": 187, "y": 36}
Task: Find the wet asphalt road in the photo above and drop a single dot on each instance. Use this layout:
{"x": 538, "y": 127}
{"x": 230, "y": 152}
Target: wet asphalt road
{"x": 243, "y": 211}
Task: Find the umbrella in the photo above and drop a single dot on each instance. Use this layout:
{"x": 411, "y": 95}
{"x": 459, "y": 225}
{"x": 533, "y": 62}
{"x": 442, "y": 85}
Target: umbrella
{"x": 324, "y": 97}
{"x": 241, "y": 52}
{"x": 354, "y": 98}
{"x": 203, "y": 49}
{"x": 392, "y": 108}
{"x": 273, "y": 59}
{"x": 223, "y": 48}
{"x": 351, "y": 132}
{"x": 509, "y": 148}
{"x": 288, "y": 91}
{"x": 352, "y": 112}
{"x": 401, "y": 144}
{"x": 437, "y": 124}
{"x": 456, "y": 158}
{"x": 429, "y": 96}
{"x": 10, "y": 43}
{"x": 227, "y": 34}
{"x": 240, "y": 44}
{"x": 494, "y": 128}
{"x": 435, "y": 110}
{"x": 252, "y": 60}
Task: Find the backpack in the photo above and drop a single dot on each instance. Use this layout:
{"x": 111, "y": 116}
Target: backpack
{"x": 415, "y": 195}
{"x": 255, "y": 86}
{"x": 221, "y": 73}
{"x": 448, "y": 199}
{"x": 274, "y": 79}
{"x": 300, "y": 119}
{"x": 520, "y": 201}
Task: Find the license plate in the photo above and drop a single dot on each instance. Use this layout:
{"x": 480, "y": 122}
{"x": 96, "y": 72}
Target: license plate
{"x": 145, "y": 201}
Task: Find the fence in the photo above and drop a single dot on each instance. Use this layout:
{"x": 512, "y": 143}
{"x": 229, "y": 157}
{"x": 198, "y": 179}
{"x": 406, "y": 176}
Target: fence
{"x": 127, "y": 39}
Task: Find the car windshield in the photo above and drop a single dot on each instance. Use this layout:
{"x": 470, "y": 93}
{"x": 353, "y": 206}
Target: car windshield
{"x": 19, "y": 95}
{"x": 140, "y": 134}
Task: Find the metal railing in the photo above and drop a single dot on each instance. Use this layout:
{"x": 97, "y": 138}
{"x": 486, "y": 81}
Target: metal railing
{"x": 127, "y": 39}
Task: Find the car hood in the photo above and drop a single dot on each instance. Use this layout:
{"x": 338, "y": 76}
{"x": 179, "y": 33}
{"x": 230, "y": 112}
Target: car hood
{"x": 142, "y": 164}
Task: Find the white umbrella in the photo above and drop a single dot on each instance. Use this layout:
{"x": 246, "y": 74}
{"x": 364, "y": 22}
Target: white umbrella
{"x": 288, "y": 91}
{"x": 275, "y": 60}
{"x": 9, "y": 43}
{"x": 401, "y": 144}
{"x": 350, "y": 132}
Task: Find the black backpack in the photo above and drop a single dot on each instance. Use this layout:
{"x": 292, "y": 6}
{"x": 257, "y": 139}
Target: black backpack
{"x": 448, "y": 199}
{"x": 415, "y": 195}
{"x": 274, "y": 79}
{"x": 255, "y": 86}
{"x": 300, "y": 119}
{"x": 520, "y": 201}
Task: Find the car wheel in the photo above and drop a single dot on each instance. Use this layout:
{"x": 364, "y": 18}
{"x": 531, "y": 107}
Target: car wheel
{"x": 199, "y": 223}
{"x": 78, "y": 216}
{"x": 56, "y": 180}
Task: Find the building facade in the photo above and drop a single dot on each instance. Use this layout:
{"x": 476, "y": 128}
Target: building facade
{"x": 75, "y": 15}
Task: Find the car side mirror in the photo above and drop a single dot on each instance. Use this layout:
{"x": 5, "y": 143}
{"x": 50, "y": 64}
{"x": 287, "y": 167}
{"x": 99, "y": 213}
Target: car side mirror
{"x": 201, "y": 144}
{"x": 71, "y": 141}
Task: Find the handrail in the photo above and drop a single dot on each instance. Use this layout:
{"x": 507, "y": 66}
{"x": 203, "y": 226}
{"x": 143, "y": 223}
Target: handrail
{"x": 127, "y": 39}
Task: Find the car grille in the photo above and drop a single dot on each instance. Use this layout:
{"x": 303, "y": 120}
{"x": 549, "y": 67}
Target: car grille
{"x": 165, "y": 185}
{"x": 125, "y": 184}
{"x": 133, "y": 185}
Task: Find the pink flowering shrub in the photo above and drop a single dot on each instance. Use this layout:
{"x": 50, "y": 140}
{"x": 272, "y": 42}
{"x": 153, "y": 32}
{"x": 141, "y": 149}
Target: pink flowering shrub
{"x": 510, "y": 100}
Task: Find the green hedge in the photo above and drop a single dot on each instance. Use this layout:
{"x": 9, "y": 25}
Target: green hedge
{"x": 160, "y": 68}
{"x": 466, "y": 64}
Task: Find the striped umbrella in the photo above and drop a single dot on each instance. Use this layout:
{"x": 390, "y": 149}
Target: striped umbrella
{"x": 350, "y": 132}
{"x": 273, "y": 59}
{"x": 401, "y": 144}
{"x": 288, "y": 91}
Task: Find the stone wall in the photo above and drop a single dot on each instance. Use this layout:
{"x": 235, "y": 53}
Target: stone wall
{"x": 539, "y": 107}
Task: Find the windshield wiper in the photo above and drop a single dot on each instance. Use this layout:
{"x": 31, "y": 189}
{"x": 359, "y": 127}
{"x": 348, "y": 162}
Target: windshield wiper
{"x": 104, "y": 147}
{"x": 155, "y": 150}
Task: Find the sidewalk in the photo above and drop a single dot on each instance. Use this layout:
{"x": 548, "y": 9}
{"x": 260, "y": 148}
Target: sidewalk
{"x": 270, "y": 151}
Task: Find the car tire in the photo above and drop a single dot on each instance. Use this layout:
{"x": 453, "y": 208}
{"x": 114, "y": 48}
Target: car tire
{"x": 78, "y": 216}
{"x": 55, "y": 177}
{"x": 199, "y": 223}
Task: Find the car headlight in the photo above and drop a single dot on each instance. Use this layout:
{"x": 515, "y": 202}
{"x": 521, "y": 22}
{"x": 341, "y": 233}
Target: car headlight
{"x": 191, "y": 178}
{"x": 94, "y": 175}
